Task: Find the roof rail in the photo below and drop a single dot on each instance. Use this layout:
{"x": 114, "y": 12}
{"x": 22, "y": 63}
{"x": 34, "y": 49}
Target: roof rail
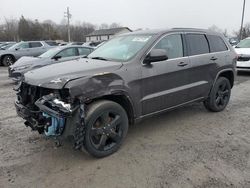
{"x": 185, "y": 28}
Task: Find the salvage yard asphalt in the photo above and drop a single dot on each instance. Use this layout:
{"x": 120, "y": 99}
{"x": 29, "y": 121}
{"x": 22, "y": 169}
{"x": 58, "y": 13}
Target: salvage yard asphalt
{"x": 188, "y": 147}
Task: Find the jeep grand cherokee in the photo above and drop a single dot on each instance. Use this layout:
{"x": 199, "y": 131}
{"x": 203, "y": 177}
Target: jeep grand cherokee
{"x": 133, "y": 76}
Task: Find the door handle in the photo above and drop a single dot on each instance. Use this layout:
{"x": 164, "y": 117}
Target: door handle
{"x": 213, "y": 58}
{"x": 182, "y": 64}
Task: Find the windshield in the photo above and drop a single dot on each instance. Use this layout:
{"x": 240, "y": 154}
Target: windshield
{"x": 50, "y": 53}
{"x": 121, "y": 48}
{"x": 7, "y": 46}
{"x": 19, "y": 45}
{"x": 244, "y": 44}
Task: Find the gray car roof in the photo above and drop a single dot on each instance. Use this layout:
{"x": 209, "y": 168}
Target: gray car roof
{"x": 162, "y": 31}
{"x": 111, "y": 31}
{"x": 78, "y": 46}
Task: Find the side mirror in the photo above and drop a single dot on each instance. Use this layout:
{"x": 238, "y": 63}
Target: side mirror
{"x": 155, "y": 55}
{"x": 57, "y": 57}
{"x": 17, "y": 49}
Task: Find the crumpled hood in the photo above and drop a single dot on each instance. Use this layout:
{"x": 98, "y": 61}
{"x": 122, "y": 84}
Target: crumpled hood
{"x": 243, "y": 51}
{"x": 57, "y": 75}
{"x": 23, "y": 61}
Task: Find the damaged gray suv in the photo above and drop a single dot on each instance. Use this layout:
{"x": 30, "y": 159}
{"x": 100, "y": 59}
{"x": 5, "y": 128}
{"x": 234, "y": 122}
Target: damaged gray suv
{"x": 93, "y": 100}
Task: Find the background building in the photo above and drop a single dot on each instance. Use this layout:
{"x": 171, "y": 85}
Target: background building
{"x": 106, "y": 34}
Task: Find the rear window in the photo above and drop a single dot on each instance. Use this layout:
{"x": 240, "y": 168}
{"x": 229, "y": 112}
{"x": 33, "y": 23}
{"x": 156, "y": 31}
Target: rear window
{"x": 216, "y": 43}
{"x": 197, "y": 44}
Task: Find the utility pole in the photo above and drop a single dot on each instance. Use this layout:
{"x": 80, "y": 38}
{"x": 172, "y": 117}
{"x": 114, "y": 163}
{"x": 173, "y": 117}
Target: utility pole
{"x": 68, "y": 16}
{"x": 242, "y": 20}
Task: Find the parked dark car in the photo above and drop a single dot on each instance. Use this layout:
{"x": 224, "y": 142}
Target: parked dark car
{"x": 52, "y": 56}
{"x": 30, "y": 48}
{"x": 129, "y": 78}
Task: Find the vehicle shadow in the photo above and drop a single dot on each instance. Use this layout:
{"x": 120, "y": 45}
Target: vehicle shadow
{"x": 165, "y": 120}
{"x": 158, "y": 124}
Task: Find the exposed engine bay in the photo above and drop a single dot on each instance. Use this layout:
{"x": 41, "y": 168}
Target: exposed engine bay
{"x": 50, "y": 112}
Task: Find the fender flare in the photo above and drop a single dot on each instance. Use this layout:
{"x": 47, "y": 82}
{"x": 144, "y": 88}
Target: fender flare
{"x": 219, "y": 73}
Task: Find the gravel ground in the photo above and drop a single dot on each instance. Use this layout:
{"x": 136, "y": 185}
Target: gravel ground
{"x": 188, "y": 147}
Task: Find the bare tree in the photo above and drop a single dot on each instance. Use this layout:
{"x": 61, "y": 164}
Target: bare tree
{"x": 245, "y": 31}
{"x": 104, "y": 26}
{"x": 26, "y": 29}
{"x": 215, "y": 29}
{"x": 9, "y": 30}
{"x": 114, "y": 25}
{"x": 225, "y": 33}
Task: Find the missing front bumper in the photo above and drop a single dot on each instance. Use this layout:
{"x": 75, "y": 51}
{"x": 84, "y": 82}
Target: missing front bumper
{"x": 56, "y": 118}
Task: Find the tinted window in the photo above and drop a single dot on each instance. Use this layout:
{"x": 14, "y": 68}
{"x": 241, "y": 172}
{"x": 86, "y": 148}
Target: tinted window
{"x": 216, "y": 43}
{"x": 172, "y": 44}
{"x": 68, "y": 52}
{"x": 197, "y": 44}
{"x": 35, "y": 44}
{"x": 84, "y": 51}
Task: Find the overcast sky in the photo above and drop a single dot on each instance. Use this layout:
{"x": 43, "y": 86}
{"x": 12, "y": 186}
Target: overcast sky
{"x": 134, "y": 13}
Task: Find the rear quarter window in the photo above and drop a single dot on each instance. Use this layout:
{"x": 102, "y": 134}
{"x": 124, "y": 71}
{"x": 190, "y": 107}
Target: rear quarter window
{"x": 197, "y": 44}
{"x": 216, "y": 43}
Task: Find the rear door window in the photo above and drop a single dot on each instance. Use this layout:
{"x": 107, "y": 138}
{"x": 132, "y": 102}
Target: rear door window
{"x": 197, "y": 44}
{"x": 35, "y": 44}
{"x": 172, "y": 44}
{"x": 216, "y": 43}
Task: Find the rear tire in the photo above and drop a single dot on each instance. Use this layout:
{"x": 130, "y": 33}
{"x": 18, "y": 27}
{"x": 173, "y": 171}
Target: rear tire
{"x": 219, "y": 95}
{"x": 106, "y": 128}
{"x": 8, "y": 60}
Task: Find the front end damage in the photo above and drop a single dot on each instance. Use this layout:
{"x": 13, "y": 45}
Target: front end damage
{"x": 51, "y": 112}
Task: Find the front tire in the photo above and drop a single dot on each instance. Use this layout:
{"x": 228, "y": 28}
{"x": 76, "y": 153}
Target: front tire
{"x": 219, "y": 96}
{"x": 8, "y": 60}
{"x": 106, "y": 128}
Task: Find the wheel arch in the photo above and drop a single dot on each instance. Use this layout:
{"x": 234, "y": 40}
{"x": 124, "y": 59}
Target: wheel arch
{"x": 123, "y": 100}
{"x": 227, "y": 73}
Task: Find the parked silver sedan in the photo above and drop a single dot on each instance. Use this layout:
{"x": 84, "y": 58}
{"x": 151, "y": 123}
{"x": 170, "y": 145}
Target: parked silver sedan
{"x": 52, "y": 56}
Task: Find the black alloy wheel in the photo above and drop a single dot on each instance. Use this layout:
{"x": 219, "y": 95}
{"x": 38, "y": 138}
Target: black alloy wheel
{"x": 107, "y": 125}
{"x": 222, "y": 95}
{"x": 219, "y": 96}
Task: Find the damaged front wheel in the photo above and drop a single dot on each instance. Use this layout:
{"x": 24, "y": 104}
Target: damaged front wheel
{"x": 106, "y": 128}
